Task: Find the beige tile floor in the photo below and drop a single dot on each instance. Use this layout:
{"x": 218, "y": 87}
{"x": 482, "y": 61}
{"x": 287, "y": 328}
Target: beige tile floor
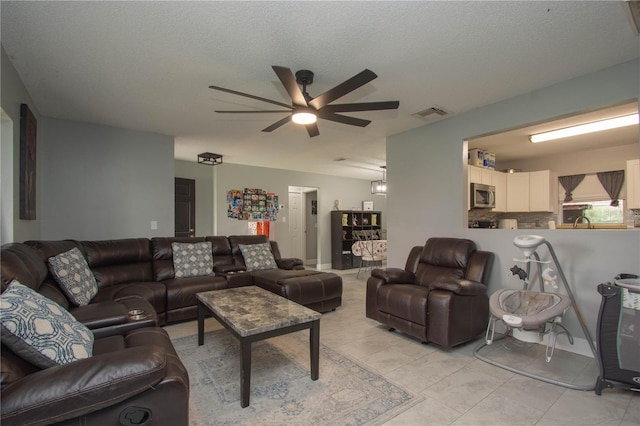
{"x": 455, "y": 387}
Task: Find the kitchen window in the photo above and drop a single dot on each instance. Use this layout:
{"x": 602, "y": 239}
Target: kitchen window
{"x": 591, "y": 201}
{"x": 598, "y": 212}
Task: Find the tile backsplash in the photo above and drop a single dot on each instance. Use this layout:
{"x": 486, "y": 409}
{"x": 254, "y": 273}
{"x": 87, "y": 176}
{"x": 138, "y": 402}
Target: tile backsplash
{"x": 525, "y": 220}
{"x": 538, "y": 220}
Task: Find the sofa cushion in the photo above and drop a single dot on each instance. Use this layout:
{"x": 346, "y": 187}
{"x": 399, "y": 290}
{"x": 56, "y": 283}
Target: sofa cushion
{"x": 192, "y": 259}
{"x": 119, "y": 261}
{"x": 71, "y": 271}
{"x": 23, "y": 263}
{"x": 258, "y": 256}
{"x": 39, "y": 330}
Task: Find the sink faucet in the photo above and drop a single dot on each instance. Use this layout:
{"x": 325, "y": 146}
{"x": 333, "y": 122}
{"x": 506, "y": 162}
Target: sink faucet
{"x": 575, "y": 224}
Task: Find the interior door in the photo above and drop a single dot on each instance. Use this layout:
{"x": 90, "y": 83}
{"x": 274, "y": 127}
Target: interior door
{"x": 296, "y": 229}
{"x": 185, "y": 207}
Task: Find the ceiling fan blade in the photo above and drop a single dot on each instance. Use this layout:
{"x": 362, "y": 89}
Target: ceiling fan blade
{"x": 312, "y": 129}
{"x": 277, "y": 124}
{"x": 342, "y": 89}
{"x": 289, "y": 82}
{"x": 343, "y": 119}
{"x": 253, "y": 112}
{"x": 365, "y": 106}
{"x": 246, "y": 95}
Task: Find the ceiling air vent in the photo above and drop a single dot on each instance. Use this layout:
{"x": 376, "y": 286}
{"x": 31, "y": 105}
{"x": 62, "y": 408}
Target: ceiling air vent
{"x": 431, "y": 113}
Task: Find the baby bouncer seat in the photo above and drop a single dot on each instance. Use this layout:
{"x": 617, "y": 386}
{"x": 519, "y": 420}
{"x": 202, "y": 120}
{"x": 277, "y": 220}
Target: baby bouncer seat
{"x": 529, "y": 315}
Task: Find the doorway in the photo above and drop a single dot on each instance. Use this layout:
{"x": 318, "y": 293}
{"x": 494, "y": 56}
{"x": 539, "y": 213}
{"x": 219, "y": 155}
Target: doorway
{"x": 6, "y": 168}
{"x": 185, "y": 207}
{"x": 303, "y": 224}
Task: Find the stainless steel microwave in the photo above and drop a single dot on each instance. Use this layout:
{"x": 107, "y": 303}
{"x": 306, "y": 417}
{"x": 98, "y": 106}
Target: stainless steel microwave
{"x": 482, "y": 196}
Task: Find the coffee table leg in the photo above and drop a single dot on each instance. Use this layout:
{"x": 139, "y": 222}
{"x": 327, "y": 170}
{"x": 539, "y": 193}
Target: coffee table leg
{"x": 314, "y": 349}
{"x": 245, "y": 372}
{"x": 200, "y": 323}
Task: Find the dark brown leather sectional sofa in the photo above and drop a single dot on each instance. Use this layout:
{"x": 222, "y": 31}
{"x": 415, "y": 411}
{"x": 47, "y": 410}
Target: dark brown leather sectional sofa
{"x": 134, "y": 366}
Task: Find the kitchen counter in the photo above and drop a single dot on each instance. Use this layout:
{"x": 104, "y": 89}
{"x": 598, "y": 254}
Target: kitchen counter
{"x": 596, "y": 226}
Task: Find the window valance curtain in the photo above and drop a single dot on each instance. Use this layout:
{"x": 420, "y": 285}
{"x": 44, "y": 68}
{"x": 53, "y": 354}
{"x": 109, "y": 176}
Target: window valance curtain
{"x": 569, "y": 183}
{"x": 612, "y": 183}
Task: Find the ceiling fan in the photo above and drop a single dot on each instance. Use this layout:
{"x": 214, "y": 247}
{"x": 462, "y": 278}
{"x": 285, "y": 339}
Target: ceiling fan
{"x": 305, "y": 109}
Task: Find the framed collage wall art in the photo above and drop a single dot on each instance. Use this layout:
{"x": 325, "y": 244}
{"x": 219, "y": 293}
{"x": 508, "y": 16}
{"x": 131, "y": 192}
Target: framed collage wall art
{"x": 252, "y": 204}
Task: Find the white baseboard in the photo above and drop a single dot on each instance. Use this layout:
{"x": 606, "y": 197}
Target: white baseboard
{"x": 580, "y": 345}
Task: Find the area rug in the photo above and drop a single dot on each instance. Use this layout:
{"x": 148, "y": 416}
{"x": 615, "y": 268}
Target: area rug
{"x": 282, "y": 391}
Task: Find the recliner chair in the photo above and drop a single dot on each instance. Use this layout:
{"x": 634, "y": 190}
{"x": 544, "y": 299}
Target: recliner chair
{"x": 440, "y": 296}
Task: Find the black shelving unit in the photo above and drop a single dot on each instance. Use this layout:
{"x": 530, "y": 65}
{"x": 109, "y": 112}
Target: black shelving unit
{"x": 343, "y": 223}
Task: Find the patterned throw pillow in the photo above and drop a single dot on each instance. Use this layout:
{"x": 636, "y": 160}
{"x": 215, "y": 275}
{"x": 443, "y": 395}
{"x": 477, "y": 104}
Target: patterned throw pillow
{"x": 192, "y": 259}
{"x": 258, "y": 256}
{"x": 39, "y": 330}
{"x": 72, "y": 272}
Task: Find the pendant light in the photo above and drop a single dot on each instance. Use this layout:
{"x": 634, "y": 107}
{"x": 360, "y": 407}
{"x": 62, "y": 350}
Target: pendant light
{"x": 379, "y": 187}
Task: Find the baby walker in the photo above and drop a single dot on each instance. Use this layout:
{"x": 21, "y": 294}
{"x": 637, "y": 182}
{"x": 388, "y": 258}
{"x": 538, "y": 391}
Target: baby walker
{"x": 529, "y": 315}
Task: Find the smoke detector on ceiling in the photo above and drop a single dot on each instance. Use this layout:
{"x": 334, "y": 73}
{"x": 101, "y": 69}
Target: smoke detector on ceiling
{"x": 431, "y": 113}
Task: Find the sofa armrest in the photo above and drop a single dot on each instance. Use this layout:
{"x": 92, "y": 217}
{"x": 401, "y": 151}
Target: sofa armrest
{"x": 290, "y": 263}
{"x": 81, "y": 387}
{"x": 101, "y": 314}
{"x": 394, "y": 276}
{"x": 225, "y": 269}
{"x": 461, "y": 287}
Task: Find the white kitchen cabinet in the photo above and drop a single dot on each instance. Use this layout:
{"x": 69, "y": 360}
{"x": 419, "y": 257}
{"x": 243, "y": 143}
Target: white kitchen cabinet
{"x": 486, "y": 176}
{"x": 475, "y": 174}
{"x": 532, "y": 192}
{"x": 633, "y": 184}
{"x": 518, "y": 192}
{"x": 481, "y": 175}
{"x": 499, "y": 180}
{"x": 543, "y": 191}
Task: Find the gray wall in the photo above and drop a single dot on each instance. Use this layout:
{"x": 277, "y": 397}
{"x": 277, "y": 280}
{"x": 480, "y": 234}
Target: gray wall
{"x": 100, "y": 182}
{"x": 351, "y": 191}
{"x": 427, "y": 168}
{"x": 204, "y": 177}
{"x": 14, "y": 94}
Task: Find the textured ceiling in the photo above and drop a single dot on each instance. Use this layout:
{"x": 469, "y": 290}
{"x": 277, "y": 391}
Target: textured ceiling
{"x": 147, "y": 65}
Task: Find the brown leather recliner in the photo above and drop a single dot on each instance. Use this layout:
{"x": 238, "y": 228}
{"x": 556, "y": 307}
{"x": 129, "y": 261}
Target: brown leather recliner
{"x": 132, "y": 378}
{"x": 440, "y": 296}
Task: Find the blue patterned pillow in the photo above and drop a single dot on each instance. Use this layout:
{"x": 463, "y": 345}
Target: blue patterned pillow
{"x": 258, "y": 256}
{"x": 39, "y": 330}
{"x": 72, "y": 272}
{"x": 192, "y": 259}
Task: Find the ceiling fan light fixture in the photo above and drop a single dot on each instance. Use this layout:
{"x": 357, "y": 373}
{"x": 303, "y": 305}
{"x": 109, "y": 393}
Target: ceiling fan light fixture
{"x": 304, "y": 116}
{"x": 596, "y": 126}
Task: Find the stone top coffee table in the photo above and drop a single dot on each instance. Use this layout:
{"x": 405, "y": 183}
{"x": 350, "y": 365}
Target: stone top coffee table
{"x": 252, "y": 314}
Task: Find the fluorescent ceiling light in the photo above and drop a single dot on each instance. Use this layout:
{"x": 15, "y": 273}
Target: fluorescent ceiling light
{"x": 303, "y": 117}
{"x": 611, "y": 123}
